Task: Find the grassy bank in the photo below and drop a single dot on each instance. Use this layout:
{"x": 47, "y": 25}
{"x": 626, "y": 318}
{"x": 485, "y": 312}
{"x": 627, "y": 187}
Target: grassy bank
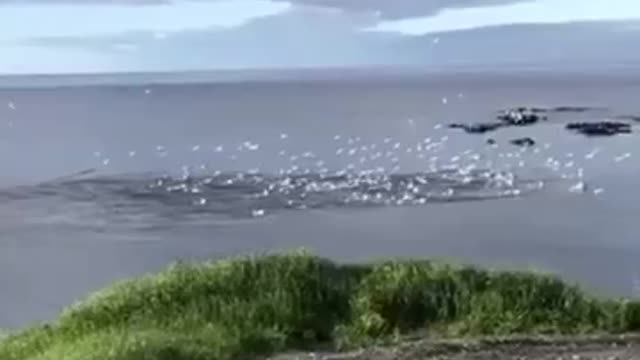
{"x": 241, "y": 307}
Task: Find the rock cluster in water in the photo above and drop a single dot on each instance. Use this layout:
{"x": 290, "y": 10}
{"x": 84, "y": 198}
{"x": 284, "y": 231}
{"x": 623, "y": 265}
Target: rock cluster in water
{"x": 521, "y": 117}
{"x": 512, "y": 117}
{"x": 526, "y": 116}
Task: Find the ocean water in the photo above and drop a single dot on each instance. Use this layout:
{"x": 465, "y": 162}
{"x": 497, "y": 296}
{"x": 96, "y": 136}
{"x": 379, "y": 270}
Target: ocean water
{"x": 104, "y": 182}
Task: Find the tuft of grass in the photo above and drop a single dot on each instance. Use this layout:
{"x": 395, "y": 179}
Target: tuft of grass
{"x": 238, "y": 308}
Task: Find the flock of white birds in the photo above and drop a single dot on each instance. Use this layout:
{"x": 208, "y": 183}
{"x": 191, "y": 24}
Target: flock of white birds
{"x": 378, "y": 161}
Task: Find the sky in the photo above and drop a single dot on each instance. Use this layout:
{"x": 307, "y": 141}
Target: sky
{"x": 89, "y": 36}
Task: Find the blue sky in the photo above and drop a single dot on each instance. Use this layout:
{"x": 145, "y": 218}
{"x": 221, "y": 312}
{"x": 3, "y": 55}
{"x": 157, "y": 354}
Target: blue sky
{"x": 74, "y": 36}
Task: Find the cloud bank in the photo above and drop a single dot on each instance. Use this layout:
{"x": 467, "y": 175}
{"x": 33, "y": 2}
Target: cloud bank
{"x": 398, "y": 9}
{"x": 387, "y": 9}
{"x": 327, "y": 33}
{"x": 333, "y": 38}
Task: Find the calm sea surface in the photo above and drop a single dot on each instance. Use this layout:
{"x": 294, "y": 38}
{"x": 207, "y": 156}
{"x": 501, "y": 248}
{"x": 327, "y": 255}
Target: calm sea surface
{"x": 99, "y": 183}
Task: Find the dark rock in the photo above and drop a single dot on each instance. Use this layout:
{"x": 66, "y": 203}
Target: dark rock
{"x": 477, "y": 128}
{"x": 520, "y": 117}
{"x": 602, "y": 128}
{"x": 491, "y": 141}
{"x": 525, "y": 141}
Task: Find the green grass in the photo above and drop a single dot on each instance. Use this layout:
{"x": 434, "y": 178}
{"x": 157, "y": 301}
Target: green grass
{"x": 241, "y": 307}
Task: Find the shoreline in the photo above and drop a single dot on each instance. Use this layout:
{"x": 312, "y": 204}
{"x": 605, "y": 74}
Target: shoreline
{"x": 621, "y": 347}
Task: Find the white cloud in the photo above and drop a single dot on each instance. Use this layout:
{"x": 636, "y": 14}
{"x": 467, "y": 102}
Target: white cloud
{"x": 538, "y": 12}
{"x": 398, "y": 9}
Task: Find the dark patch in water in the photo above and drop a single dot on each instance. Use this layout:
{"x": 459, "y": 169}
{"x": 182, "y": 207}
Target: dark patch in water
{"x": 477, "y": 128}
{"x": 557, "y": 109}
{"x": 602, "y": 128}
{"x": 525, "y": 141}
{"x": 247, "y": 195}
{"x": 628, "y": 117}
{"x": 574, "y": 109}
